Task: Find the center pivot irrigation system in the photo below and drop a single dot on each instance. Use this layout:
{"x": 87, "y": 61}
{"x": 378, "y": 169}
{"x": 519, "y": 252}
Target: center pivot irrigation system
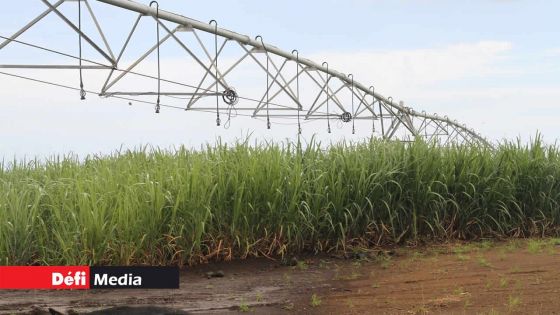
{"x": 233, "y": 74}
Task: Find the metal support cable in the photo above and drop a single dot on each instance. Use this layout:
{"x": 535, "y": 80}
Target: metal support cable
{"x": 77, "y": 89}
{"x": 126, "y": 71}
{"x": 455, "y": 132}
{"x": 116, "y": 97}
{"x": 52, "y": 51}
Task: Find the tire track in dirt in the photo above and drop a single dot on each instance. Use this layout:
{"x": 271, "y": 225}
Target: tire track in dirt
{"x": 516, "y": 277}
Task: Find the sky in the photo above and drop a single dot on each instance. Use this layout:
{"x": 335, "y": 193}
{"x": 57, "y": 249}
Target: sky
{"x": 491, "y": 64}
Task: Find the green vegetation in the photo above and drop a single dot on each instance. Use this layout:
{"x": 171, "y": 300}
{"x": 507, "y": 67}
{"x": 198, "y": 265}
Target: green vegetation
{"x": 462, "y": 257}
{"x": 513, "y": 302}
{"x": 244, "y": 307}
{"x": 301, "y": 265}
{"x": 534, "y": 246}
{"x": 484, "y": 262}
{"x": 181, "y": 207}
{"x": 503, "y": 282}
{"x": 259, "y": 297}
{"x": 315, "y": 300}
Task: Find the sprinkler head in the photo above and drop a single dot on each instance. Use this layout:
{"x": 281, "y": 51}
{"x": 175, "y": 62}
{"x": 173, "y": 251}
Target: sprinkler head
{"x": 346, "y": 117}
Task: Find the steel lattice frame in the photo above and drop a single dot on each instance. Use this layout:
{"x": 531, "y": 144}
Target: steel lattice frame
{"x": 335, "y": 91}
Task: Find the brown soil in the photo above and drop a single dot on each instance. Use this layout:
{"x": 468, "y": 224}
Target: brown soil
{"x": 520, "y": 277}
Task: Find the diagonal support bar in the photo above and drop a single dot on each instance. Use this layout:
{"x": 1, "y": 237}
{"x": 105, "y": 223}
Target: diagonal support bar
{"x": 30, "y": 24}
{"x": 77, "y": 30}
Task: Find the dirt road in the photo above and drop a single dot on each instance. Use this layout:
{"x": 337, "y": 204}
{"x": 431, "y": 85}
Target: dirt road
{"x": 518, "y": 277}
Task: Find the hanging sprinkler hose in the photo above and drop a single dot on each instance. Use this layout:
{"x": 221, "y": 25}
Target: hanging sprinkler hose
{"x": 327, "y": 93}
{"x": 268, "y": 124}
{"x": 297, "y": 89}
{"x": 158, "y": 106}
{"x": 82, "y": 91}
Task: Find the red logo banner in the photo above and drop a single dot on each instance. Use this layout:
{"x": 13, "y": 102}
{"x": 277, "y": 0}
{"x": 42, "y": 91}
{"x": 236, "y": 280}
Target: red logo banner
{"x": 45, "y": 278}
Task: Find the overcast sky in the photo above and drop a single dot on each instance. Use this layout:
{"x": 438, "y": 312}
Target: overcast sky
{"x": 493, "y": 65}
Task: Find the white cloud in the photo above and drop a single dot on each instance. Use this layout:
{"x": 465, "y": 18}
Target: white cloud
{"x": 463, "y": 81}
{"x": 392, "y": 70}
{"x": 552, "y": 52}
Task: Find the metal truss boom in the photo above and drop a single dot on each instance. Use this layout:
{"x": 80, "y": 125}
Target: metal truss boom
{"x": 246, "y": 40}
{"x": 325, "y": 86}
